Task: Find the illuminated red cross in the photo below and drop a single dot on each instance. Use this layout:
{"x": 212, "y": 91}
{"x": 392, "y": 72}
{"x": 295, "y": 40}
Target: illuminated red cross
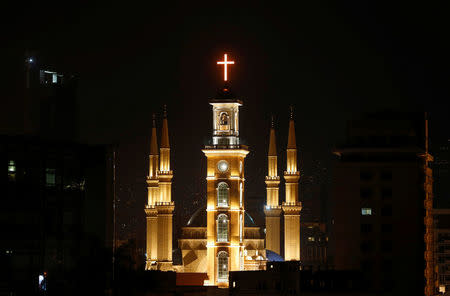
{"x": 225, "y": 63}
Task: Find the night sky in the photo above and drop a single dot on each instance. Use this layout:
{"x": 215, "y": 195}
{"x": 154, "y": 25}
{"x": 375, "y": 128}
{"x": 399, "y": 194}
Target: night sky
{"x": 330, "y": 60}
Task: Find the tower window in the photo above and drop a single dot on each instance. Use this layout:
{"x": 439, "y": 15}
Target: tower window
{"x": 222, "y": 194}
{"x": 222, "y": 228}
{"x": 222, "y": 266}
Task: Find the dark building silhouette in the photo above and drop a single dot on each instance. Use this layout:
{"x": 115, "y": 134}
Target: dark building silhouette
{"x": 441, "y": 175}
{"x": 382, "y": 203}
{"x": 442, "y": 248}
{"x": 50, "y": 101}
{"x": 55, "y": 216}
{"x": 314, "y": 245}
{"x": 290, "y": 278}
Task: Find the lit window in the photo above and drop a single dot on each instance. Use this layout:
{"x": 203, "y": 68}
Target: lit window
{"x": 222, "y": 228}
{"x": 50, "y": 177}
{"x": 12, "y": 170}
{"x": 366, "y": 211}
{"x": 54, "y": 78}
{"x": 11, "y": 166}
{"x": 311, "y": 238}
{"x": 222, "y": 266}
{"x": 222, "y": 195}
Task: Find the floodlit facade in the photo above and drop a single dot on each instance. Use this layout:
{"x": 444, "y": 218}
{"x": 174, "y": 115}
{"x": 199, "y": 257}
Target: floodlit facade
{"x": 159, "y": 208}
{"x": 272, "y": 209}
{"x": 221, "y": 236}
{"x": 291, "y": 207}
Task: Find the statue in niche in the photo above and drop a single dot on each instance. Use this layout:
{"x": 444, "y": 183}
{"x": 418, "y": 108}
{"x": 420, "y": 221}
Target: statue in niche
{"x": 224, "y": 119}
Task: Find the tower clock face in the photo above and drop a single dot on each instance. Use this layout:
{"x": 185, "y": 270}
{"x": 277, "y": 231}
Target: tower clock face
{"x": 222, "y": 166}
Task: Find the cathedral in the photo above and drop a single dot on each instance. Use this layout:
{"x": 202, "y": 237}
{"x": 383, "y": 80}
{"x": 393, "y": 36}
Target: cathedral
{"x": 221, "y": 236}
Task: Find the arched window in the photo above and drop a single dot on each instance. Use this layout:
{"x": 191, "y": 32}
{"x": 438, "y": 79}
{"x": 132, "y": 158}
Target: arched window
{"x": 222, "y": 266}
{"x": 222, "y": 194}
{"x": 222, "y": 228}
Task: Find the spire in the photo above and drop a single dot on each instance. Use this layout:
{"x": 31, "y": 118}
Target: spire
{"x": 272, "y": 143}
{"x": 153, "y": 141}
{"x": 165, "y": 131}
{"x": 291, "y": 138}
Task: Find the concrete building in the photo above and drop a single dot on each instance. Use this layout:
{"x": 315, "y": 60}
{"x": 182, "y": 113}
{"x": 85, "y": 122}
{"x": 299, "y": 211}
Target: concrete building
{"x": 382, "y": 202}
{"x": 442, "y": 248}
{"x": 56, "y": 216}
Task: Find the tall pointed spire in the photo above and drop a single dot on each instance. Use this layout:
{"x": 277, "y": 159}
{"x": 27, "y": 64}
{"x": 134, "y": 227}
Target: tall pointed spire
{"x": 272, "y": 141}
{"x": 153, "y": 199}
{"x": 154, "y": 141}
{"x": 291, "y": 207}
{"x": 291, "y": 138}
{"x": 272, "y": 209}
{"x": 165, "y": 131}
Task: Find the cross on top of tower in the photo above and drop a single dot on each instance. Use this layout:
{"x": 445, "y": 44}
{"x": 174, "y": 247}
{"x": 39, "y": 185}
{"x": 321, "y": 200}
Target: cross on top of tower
{"x": 225, "y": 63}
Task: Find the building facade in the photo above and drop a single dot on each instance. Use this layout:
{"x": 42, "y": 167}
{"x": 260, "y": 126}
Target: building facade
{"x": 56, "y": 216}
{"x": 159, "y": 207}
{"x": 381, "y": 204}
{"x": 221, "y": 236}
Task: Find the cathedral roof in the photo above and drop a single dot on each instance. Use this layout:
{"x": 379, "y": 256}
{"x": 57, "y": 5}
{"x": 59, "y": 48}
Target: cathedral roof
{"x": 198, "y": 219}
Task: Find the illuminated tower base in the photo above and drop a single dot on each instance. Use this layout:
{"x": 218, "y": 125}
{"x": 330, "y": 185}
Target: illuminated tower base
{"x": 165, "y": 214}
{"x": 152, "y": 244}
{"x": 273, "y": 228}
{"x": 292, "y": 231}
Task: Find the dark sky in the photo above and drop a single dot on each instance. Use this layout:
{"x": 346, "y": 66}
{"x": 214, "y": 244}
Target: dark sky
{"x": 330, "y": 60}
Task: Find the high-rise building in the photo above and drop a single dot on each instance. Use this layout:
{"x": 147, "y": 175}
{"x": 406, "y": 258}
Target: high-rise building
{"x": 56, "y": 216}
{"x": 50, "y": 106}
{"x": 382, "y": 202}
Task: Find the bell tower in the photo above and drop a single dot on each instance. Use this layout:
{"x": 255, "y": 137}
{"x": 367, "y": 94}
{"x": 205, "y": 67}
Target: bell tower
{"x": 225, "y": 191}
